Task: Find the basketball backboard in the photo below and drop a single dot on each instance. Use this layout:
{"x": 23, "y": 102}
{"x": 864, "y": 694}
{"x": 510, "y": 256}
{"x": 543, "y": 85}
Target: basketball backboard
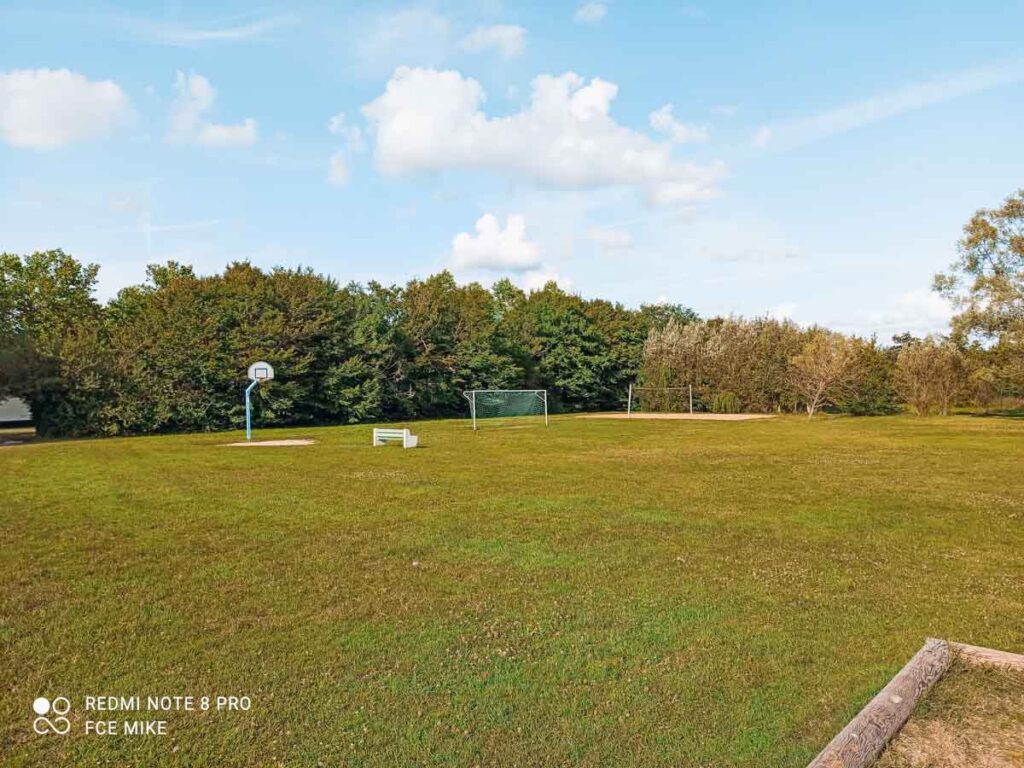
{"x": 261, "y": 371}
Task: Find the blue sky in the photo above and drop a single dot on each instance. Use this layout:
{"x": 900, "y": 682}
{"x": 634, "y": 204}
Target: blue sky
{"x": 808, "y": 160}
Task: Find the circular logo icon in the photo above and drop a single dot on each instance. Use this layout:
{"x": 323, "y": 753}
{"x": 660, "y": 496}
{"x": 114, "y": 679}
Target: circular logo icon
{"x": 58, "y": 724}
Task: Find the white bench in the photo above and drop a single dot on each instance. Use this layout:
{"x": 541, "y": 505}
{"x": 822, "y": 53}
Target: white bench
{"x": 383, "y": 436}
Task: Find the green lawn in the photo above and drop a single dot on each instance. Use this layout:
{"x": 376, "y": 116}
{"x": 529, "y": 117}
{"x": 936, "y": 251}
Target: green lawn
{"x": 598, "y": 593}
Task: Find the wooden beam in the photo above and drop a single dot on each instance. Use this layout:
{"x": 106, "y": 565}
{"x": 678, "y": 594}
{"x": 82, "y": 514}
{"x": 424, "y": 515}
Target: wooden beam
{"x": 860, "y": 743}
{"x": 974, "y": 654}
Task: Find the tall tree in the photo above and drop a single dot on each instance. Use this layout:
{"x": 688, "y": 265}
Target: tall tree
{"x": 986, "y": 285}
{"x": 822, "y": 369}
{"x": 51, "y": 336}
{"x": 987, "y": 280}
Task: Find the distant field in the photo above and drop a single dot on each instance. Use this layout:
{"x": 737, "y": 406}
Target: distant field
{"x": 597, "y": 593}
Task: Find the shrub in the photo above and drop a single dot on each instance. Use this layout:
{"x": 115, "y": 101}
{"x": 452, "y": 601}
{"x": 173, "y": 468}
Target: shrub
{"x": 725, "y": 402}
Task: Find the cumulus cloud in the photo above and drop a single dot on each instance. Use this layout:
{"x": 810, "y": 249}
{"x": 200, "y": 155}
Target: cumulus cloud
{"x": 430, "y": 120}
{"x": 337, "y": 170}
{"x": 494, "y": 247}
{"x": 508, "y": 40}
{"x": 611, "y": 238}
{"x": 195, "y": 97}
{"x": 663, "y": 121}
{"x": 590, "y": 13}
{"x": 50, "y": 108}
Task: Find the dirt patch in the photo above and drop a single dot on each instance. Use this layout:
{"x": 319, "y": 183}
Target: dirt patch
{"x": 682, "y": 416}
{"x": 269, "y": 443}
{"x": 974, "y": 716}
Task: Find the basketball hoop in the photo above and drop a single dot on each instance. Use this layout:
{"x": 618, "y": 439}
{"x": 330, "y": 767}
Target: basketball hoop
{"x": 261, "y": 371}
{"x": 258, "y": 371}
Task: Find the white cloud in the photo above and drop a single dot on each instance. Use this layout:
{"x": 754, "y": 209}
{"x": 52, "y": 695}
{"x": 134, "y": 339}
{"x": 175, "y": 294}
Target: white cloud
{"x": 429, "y": 120}
{"x": 338, "y": 173}
{"x": 243, "y": 134}
{"x": 919, "y": 312}
{"x": 50, "y": 108}
{"x": 663, "y": 121}
{"x": 508, "y": 40}
{"x": 180, "y": 34}
{"x": 352, "y": 135}
{"x": 848, "y": 117}
{"x": 611, "y": 238}
{"x": 196, "y": 96}
{"x": 495, "y": 248}
{"x": 337, "y": 170}
{"x": 590, "y": 13}
{"x": 418, "y": 35}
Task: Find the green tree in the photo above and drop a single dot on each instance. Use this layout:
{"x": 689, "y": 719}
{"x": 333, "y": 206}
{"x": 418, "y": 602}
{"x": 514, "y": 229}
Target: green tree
{"x": 986, "y": 285}
{"x": 51, "y": 330}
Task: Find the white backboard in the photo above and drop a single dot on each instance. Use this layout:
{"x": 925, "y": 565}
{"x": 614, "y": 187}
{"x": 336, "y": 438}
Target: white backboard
{"x": 261, "y": 371}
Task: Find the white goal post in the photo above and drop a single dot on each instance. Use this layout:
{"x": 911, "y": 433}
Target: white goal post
{"x": 661, "y": 395}
{"x": 491, "y": 403}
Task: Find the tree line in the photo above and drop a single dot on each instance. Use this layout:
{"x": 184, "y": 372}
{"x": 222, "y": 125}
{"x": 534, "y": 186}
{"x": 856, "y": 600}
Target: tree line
{"x": 171, "y": 354}
{"x": 733, "y": 365}
{"x": 768, "y": 365}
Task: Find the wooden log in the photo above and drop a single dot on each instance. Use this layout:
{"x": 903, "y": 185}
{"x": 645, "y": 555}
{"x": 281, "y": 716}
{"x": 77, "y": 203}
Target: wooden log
{"x": 974, "y": 654}
{"x": 861, "y": 742}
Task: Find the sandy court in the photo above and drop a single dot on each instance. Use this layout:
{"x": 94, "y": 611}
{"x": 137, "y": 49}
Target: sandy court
{"x": 269, "y": 443}
{"x": 682, "y": 416}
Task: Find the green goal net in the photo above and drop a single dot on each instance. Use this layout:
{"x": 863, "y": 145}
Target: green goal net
{"x": 498, "y": 403}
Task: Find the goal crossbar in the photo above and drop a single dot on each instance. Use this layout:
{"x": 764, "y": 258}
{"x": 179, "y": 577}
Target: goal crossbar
{"x": 485, "y": 403}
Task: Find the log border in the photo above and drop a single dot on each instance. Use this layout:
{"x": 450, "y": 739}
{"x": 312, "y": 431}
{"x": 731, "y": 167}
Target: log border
{"x": 860, "y": 743}
{"x": 974, "y": 654}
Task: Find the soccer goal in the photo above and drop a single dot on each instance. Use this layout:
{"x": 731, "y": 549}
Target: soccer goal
{"x": 659, "y": 400}
{"x": 495, "y": 403}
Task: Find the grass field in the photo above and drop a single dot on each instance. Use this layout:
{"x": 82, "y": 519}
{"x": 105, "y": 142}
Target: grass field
{"x": 598, "y": 593}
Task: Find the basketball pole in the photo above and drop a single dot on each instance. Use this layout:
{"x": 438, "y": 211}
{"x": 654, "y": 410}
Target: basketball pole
{"x": 248, "y": 410}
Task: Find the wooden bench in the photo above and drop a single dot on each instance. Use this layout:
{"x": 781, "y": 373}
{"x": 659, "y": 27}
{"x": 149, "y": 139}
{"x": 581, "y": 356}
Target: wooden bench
{"x": 384, "y": 436}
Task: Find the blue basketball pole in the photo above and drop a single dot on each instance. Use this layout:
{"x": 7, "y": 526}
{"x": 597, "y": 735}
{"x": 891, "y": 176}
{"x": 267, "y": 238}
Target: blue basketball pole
{"x": 248, "y": 416}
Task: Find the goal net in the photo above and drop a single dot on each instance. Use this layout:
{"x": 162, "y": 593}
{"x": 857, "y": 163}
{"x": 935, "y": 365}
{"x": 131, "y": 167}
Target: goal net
{"x": 496, "y": 403}
{"x": 659, "y": 400}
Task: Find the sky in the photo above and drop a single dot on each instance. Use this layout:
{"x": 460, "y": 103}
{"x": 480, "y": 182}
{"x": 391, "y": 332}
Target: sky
{"x": 814, "y": 161}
